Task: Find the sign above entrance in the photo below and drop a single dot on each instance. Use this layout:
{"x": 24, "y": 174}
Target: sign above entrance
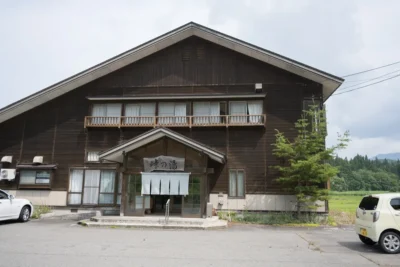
{"x": 164, "y": 163}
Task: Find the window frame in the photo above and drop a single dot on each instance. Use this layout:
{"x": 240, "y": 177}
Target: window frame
{"x": 81, "y": 204}
{"x": 390, "y": 203}
{"x": 244, "y": 183}
{"x": 87, "y": 156}
{"x": 35, "y": 185}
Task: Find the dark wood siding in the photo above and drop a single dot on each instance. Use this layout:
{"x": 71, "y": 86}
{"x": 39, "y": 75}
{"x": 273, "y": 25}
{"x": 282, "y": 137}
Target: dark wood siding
{"x": 194, "y": 66}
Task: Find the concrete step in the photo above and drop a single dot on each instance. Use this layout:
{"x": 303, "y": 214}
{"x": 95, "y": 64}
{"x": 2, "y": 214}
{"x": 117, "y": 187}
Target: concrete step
{"x": 154, "y": 222}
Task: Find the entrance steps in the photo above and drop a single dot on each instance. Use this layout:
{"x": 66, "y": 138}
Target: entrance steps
{"x": 155, "y": 222}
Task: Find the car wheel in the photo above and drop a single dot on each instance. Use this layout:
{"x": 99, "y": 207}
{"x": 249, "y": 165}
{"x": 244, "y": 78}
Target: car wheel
{"x": 366, "y": 240}
{"x": 25, "y": 214}
{"x": 390, "y": 242}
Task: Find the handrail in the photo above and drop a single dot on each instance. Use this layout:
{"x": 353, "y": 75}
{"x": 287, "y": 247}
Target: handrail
{"x": 167, "y": 212}
{"x": 176, "y": 121}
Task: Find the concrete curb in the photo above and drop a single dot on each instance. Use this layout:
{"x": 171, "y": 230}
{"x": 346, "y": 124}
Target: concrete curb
{"x": 70, "y": 216}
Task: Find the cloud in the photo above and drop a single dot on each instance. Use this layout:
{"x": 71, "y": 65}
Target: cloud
{"x": 44, "y": 42}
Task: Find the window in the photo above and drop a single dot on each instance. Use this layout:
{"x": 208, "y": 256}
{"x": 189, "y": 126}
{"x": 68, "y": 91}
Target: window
{"x": 34, "y": 177}
{"x": 91, "y": 187}
{"x": 236, "y": 183}
{"x": 206, "y": 113}
{"x": 92, "y": 156}
{"x": 119, "y": 189}
{"x": 314, "y": 104}
{"x": 145, "y": 110}
{"x": 246, "y": 111}
{"x": 395, "y": 203}
{"x": 172, "y": 113}
{"x": 369, "y": 203}
{"x": 192, "y": 201}
{"x": 3, "y": 195}
{"x": 106, "y": 113}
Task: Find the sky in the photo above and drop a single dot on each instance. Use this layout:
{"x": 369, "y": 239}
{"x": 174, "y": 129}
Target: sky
{"x": 43, "y": 42}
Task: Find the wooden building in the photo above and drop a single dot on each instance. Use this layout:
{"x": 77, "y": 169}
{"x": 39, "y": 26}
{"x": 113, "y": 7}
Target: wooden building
{"x": 189, "y": 116}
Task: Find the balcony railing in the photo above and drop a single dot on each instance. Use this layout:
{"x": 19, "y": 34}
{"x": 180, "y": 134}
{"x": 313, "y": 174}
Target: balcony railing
{"x": 176, "y": 121}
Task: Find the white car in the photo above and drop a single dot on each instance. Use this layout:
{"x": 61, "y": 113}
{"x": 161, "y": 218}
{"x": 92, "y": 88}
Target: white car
{"x": 378, "y": 221}
{"x": 13, "y": 208}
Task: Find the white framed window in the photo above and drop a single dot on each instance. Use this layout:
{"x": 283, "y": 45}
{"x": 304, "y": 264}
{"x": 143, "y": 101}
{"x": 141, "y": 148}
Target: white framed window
{"x": 206, "y": 113}
{"x": 172, "y": 113}
{"x": 91, "y": 187}
{"x": 109, "y": 113}
{"x": 236, "y": 183}
{"x": 133, "y": 112}
{"x": 246, "y": 111}
{"x": 92, "y": 156}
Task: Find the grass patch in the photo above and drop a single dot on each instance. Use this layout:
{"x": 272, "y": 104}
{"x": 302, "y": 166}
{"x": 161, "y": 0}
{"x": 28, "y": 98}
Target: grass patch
{"x": 39, "y": 210}
{"x": 272, "y": 218}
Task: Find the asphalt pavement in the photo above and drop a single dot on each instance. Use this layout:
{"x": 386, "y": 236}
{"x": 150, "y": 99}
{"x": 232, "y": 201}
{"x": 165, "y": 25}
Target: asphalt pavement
{"x": 62, "y": 243}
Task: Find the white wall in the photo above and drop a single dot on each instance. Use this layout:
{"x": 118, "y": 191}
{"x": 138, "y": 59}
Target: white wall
{"x": 258, "y": 202}
{"x": 42, "y": 197}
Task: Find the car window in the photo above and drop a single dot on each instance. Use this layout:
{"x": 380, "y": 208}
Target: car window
{"x": 369, "y": 203}
{"x": 395, "y": 203}
{"x": 3, "y": 195}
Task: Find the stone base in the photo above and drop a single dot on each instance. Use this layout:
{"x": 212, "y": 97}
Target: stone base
{"x": 155, "y": 222}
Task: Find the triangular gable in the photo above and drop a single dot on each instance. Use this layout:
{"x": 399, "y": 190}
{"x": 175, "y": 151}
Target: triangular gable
{"x": 329, "y": 82}
{"x": 115, "y": 154}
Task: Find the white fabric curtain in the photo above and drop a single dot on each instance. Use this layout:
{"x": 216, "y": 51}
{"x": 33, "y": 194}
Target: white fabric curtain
{"x": 183, "y": 184}
{"x": 132, "y": 110}
{"x": 165, "y": 185}
{"x": 255, "y": 110}
{"x": 27, "y": 177}
{"x": 238, "y": 108}
{"x": 166, "y": 109}
{"x": 146, "y": 181}
{"x": 148, "y": 111}
{"x": 215, "y": 111}
{"x": 201, "y": 112}
{"x": 98, "y": 110}
{"x": 75, "y": 185}
{"x": 114, "y": 112}
{"x": 180, "y": 110}
{"x": 155, "y": 185}
{"x": 107, "y": 182}
{"x": 232, "y": 183}
{"x": 174, "y": 185}
{"x": 240, "y": 183}
{"x": 91, "y": 187}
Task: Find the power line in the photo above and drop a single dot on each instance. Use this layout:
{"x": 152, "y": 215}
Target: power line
{"x": 352, "y": 74}
{"x": 368, "y": 80}
{"x": 363, "y": 80}
{"x": 358, "y": 88}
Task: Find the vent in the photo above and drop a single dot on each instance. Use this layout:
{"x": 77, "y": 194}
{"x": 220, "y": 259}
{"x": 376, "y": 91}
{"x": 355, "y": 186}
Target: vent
{"x": 186, "y": 53}
{"x": 6, "y": 159}
{"x": 200, "y": 52}
{"x": 93, "y": 156}
{"x": 38, "y": 160}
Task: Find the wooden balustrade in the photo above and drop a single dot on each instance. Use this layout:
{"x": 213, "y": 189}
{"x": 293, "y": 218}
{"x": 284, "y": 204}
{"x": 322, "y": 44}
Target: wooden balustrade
{"x": 176, "y": 121}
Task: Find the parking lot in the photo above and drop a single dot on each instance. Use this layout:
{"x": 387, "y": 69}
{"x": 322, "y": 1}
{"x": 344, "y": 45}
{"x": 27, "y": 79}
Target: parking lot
{"x": 64, "y": 243}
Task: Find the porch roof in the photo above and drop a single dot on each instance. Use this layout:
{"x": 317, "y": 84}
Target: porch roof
{"x": 116, "y": 153}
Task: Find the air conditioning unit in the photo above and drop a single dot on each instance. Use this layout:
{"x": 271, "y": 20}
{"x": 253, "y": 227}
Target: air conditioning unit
{"x": 6, "y": 159}
{"x": 7, "y": 174}
{"x": 38, "y": 160}
{"x": 258, "y": 87}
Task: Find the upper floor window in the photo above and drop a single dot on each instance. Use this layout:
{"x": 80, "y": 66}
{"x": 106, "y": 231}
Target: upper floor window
{"x": 172, "y": 113}
{"x": 92, "y": 156}
{"x": 106, "y": 113}
{"x": 246, "y": 111}
{"x": 207, "y": 112}
{"x": 146, "y": 112}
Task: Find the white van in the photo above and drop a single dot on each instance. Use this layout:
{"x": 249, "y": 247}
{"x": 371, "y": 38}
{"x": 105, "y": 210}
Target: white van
{"x": 378, "y": 221}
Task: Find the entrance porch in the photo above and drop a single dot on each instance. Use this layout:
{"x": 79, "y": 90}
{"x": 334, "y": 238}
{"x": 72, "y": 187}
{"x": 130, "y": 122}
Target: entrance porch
{"x": 162, "y": 165}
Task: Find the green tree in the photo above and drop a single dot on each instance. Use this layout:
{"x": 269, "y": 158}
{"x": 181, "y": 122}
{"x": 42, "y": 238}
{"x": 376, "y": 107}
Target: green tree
{"x": 305, "y": 169}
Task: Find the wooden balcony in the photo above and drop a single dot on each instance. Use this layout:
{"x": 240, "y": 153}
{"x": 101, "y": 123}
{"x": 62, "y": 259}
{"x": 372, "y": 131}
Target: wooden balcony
{"x": 176, "y": 121}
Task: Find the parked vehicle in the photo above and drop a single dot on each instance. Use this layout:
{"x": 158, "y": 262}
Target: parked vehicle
{"x": 14, "y": 208}
{"x": 378, "y": 221}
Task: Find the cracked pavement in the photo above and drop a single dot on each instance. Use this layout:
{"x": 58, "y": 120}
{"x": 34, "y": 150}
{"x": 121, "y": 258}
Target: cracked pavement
{"x": 63, "y": 243}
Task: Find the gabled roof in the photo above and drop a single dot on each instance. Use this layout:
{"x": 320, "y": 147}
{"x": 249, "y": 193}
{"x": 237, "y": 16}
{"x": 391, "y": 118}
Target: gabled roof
{"x": 116, "y": 153}
{"x": 330, "y": 82}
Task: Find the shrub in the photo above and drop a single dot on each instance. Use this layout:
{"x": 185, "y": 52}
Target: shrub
{"x": 39, "y": 210}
